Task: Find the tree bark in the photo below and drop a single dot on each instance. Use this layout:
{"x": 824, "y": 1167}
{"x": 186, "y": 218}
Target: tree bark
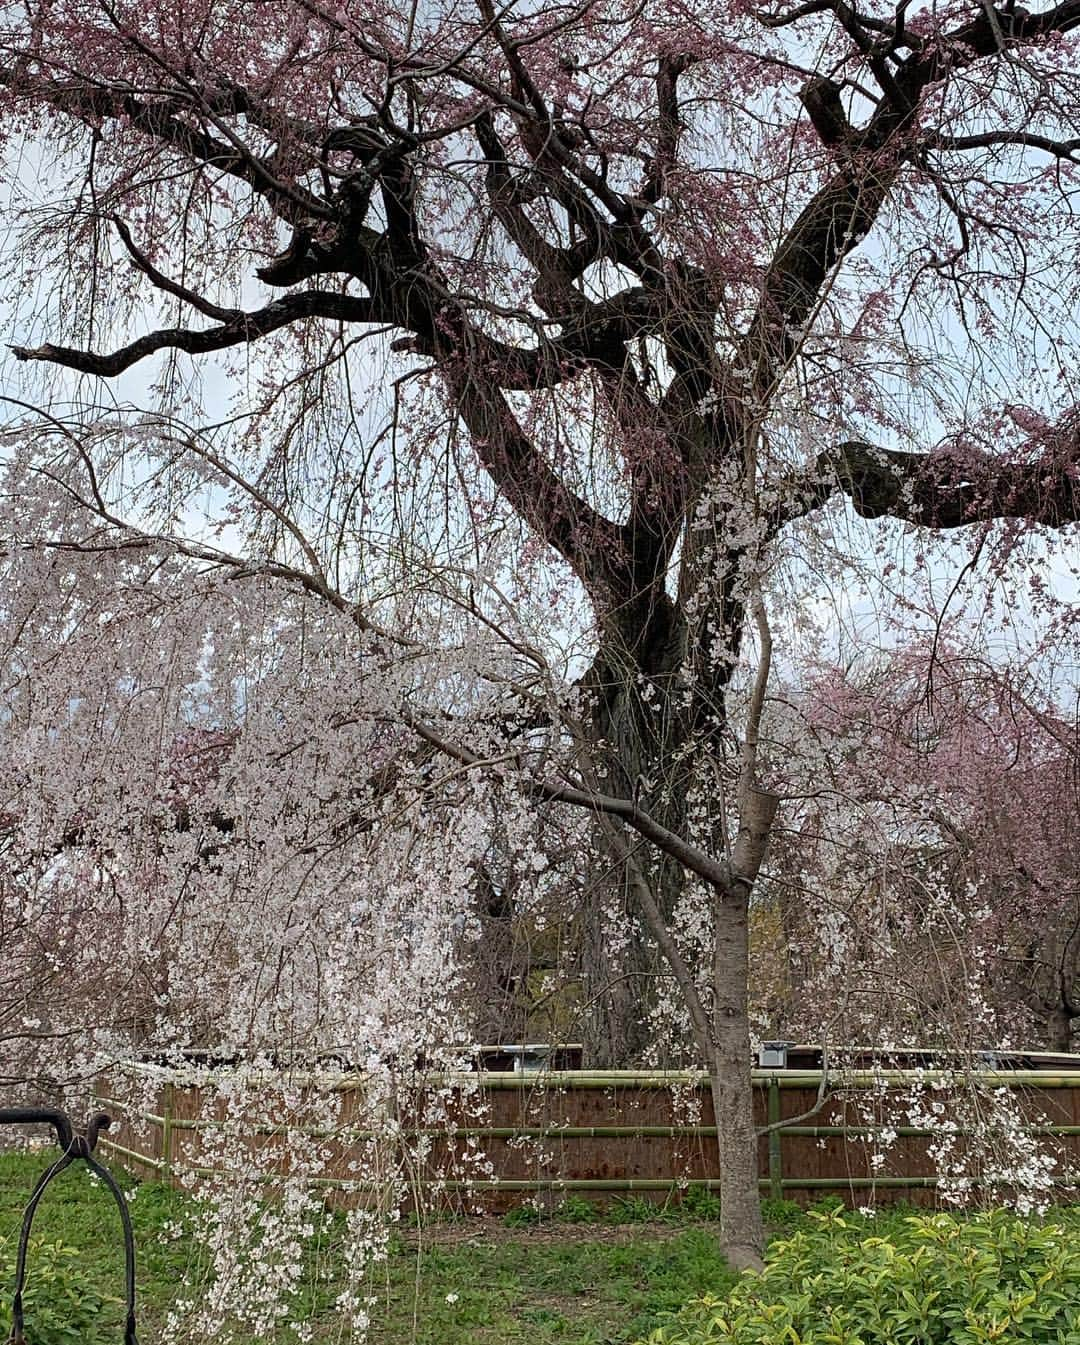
{"x": 615, "y": 983}
{"x": 1059, "y": 1029}
{"x": 635, "y": 744}
{"x": 741, "y": 1231}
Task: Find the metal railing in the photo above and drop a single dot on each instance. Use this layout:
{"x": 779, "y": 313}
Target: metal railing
{"x": 75, "y": 1147}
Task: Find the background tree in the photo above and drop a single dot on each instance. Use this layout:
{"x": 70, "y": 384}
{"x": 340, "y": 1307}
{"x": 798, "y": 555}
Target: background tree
{"x": 927, "y": 889}
{"x": 664, "y": 283}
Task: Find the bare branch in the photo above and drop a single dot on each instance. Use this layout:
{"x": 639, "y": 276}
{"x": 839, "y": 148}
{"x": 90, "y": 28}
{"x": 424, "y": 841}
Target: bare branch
{"x": 1061, "y": 149}
{"x": 162, "y": 282}
{"x": 716, "y": 873}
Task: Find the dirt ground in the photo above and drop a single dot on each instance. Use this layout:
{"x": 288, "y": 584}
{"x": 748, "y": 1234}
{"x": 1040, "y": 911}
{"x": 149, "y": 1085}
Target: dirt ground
{"x": 490, "y": 1230}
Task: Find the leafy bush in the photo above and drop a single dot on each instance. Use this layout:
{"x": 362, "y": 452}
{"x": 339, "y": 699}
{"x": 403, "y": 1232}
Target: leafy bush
{"x": 522, "y": 1215}
{"x": 637, "y": 1210}
{"x": 699, "y": 1202}
{"x": 577, "y": 1210}
{"x": 935, "y": 1280}
{"x": 782, "y": 1214}
{"x": 60, "y": 1307}
{"x": 829, "y": 1204}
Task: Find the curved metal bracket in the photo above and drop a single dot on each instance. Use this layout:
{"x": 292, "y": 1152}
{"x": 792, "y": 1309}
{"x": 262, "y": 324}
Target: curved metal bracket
{"x": 74, "y": 1146}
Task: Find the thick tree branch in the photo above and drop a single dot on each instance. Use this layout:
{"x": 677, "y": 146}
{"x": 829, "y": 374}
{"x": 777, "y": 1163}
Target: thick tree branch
{"x": 844, "y": 210}
{"x": 589, "y": 542}
{"x": 246, "y": 327}
{"x": 162, "y": 282}
{"x": 821, "y": 98}
{"x": 557, "y": 268}
{"x": 716, "y": 873}
{"x": 943, "y": 489}
{"x": 668, "y": 125}
{"x": 162, "y": 121}
{"x": 1061, "y": 149}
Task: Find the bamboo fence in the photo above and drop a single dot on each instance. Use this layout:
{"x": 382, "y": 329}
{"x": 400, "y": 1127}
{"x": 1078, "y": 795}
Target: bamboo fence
{"x": 623, "y": 1133}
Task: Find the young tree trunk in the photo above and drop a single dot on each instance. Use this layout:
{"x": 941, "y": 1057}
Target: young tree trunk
{"x": 650, "y": 763}
{"x": 742, "y": 1234}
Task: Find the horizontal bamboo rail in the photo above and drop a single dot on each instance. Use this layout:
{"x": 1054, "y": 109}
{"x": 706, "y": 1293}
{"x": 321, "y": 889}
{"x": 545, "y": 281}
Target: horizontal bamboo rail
{"x": 556, "y": 1131}
{"x": 486, "y": 1080}
{"x": 552, "y": 1080}
{"x": 711, "y": 1183}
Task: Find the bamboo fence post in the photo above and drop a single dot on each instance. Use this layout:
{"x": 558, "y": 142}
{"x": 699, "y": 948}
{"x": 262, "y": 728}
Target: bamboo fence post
{"x": 776, "y": 1156}
{"x": 166, "y": 1132}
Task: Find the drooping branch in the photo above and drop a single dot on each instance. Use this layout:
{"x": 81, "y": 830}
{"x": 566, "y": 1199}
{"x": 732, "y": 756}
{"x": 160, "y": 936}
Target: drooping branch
{"x": 94, "y": 102}
{"x": 660, "y": 929}
{"x": 162, "y": 282}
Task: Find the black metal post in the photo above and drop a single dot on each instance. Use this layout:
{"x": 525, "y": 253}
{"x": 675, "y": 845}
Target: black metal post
{"x": 74, "y": 1147}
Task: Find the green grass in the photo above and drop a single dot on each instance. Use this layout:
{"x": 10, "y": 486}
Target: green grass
{"x": 561, "y": 1281}
{"x": 570, "y": 1292}
{"x": 577, "y": 1276}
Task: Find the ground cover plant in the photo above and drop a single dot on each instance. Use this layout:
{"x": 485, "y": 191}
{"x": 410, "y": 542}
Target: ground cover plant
{"x": 76, "y": 1262}
{"x": 921, "y": 1279}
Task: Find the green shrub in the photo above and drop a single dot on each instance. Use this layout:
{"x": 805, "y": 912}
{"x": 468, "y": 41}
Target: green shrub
{"x": 699, "y": 1202}
{"x": 577, "y": 1210}
{"x": 635, "y": 1210}
{"x": 782, "y": 1214}
{"x": 522, "y": 1215}
{"x": 60, "y": 1306}
{"x": 934, "y": 1280}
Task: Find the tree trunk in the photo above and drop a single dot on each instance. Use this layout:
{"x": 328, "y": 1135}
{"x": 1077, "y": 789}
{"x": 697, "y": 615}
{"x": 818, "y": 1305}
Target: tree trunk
{"x": 614, "y": 978}
{"x": 742, "y": 1233}
{"x": 647, "y": 747}
{"x": 1059, "y": 1029}
{"x": 618, "y": 976}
